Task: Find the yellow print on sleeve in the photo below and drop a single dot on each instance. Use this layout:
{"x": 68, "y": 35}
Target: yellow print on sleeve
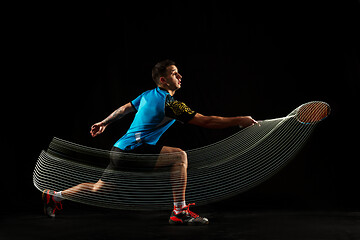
{"x": 179, "y": 108}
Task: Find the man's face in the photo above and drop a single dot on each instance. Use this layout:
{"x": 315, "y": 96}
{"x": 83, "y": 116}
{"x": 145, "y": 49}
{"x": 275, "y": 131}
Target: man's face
{"x": 173, "y": 78}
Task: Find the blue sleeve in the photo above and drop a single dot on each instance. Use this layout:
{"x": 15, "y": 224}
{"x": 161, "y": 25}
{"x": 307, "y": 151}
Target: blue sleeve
{"x": 136, "y": 102}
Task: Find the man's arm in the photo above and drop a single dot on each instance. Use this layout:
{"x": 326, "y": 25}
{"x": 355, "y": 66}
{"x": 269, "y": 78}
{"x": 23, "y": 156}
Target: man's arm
{"x": 99, "y": 127}
{"x": 118, "y": 113}
{"x": 221, "y": 122}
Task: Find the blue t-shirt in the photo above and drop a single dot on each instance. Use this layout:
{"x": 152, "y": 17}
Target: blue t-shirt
{"x": 156, "y": 110}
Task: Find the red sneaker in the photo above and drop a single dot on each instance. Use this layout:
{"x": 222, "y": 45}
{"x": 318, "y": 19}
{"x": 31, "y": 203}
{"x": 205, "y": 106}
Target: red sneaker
{"x": 186, "y": 217}
{"x": 50, "y": 205}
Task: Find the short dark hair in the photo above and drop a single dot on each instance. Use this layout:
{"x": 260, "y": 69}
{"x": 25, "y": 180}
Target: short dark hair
{"x": 159, "y": 70}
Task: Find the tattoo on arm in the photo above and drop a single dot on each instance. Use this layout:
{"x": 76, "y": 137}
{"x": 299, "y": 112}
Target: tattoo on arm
{"x": 117, "y": 114}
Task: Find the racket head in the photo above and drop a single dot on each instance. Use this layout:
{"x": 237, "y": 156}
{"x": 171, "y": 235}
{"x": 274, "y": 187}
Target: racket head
{"x": 313, "y": 112}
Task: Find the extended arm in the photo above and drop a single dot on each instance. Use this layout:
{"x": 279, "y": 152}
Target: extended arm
{"x": 99, "y": 127}
{"x": 221, "y": 122}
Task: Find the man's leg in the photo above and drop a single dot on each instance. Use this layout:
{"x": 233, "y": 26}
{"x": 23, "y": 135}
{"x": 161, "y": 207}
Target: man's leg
{"x": 83, "y": 189}
{"x": 52, "y": 200}
{"x": 177, "y": 160}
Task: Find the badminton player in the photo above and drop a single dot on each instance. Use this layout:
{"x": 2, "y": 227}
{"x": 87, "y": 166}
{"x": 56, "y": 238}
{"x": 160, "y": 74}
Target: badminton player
{"x": 156, "y": 110}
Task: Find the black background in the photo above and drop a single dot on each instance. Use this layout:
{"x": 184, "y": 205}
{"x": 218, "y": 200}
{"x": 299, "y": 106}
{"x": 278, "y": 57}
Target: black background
{"x": 71, "y": 66}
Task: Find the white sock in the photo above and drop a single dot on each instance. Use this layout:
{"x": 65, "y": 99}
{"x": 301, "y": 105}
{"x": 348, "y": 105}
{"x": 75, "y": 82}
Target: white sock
{"x": 58, "y": 197}
{"x": 178, "y": 206}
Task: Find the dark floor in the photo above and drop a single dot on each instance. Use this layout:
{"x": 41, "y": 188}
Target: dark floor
{"x": 97, "y": 223}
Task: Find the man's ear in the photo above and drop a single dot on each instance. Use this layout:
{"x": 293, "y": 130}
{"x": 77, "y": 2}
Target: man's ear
{"x": 162, "y": 80}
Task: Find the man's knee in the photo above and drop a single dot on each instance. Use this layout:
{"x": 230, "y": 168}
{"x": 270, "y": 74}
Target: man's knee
{"x": 181, "y": 158}
{"x": 175, "y": 157}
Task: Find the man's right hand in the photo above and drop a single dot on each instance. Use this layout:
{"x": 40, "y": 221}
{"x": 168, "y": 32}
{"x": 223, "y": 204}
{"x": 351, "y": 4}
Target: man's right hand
{"x": 247, "y": 121}
{"x": 97, "y": 129}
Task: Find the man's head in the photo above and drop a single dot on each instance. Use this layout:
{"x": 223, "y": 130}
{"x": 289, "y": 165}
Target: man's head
{"x": 165, "y": 74}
